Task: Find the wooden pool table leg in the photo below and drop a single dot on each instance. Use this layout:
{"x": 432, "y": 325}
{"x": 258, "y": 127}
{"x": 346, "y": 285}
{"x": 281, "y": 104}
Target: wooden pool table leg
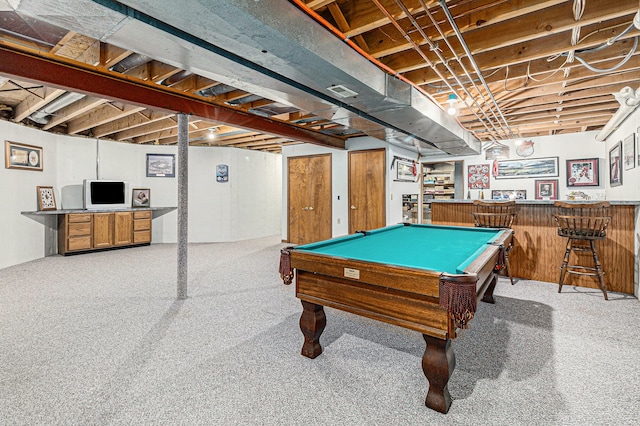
{"x": 438, "y": 363}
{"x": 488, "y": 294}
{"x": 312, "y": 323}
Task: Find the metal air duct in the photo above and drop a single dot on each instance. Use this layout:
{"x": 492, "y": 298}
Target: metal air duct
{"x": 271, "y": 49}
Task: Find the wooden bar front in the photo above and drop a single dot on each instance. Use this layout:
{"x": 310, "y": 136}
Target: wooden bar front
{"x": 538, "y": 250}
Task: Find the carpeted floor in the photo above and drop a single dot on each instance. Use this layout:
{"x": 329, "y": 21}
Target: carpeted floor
{"x": 100, "y": 339}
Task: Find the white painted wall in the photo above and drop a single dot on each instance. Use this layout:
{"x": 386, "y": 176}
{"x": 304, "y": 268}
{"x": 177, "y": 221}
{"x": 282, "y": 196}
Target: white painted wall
{"x": 248, "y": 206}
{"x": 565, "y": 147}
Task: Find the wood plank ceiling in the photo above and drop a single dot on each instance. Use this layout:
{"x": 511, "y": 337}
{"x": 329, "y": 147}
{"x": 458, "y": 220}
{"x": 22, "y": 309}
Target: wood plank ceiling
{"x": 518, "y": 68}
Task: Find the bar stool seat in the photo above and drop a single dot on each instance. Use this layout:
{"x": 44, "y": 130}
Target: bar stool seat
{"x": 496, "y": 214}
{"x": 582, "y": 224}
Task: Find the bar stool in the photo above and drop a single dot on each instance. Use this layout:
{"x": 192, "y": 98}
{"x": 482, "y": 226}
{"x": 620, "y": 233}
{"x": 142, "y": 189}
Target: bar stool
{"x": 496, "y": 214}
{"x": 582, "y": 224}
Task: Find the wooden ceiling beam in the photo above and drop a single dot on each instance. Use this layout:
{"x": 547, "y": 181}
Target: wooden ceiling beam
{"x": 38, "y": 99}
{"x": 467, "y": 15}
{"x": 133, "y": 120}
{"x": 101, "y": 115}
{"x": 517, "y": 53}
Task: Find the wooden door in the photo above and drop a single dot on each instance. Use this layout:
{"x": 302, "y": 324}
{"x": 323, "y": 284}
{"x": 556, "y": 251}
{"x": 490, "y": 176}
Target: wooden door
{"x": 309, "y": 199}
{"x": 367, "y": 190}
{"x": 319, "y": 207}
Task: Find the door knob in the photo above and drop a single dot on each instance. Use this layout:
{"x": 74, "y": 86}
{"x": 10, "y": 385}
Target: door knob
{"x": 304, "y": 209}
{"x": 310, "y": 208}
{"x": 353, "y": 207}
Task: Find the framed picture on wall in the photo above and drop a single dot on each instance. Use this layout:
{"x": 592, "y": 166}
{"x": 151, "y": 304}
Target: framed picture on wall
{"x": 22, "y": 156}
{"x": 629, "y": 149}
{"x": 528, "y": 168}
{"x": 615, "y": 163}
{"x": 161, "y": 165}
{"x": 509, "y": 194}
{"x": 638, "y": 148}
{"x": 478, "y": 176}
{"x": 583, "y": 172}
{"x": 546, "y": 189}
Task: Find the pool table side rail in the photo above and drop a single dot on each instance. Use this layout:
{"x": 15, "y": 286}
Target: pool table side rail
{"x": 403, "y": 309}
{"x": 418, "y": 281}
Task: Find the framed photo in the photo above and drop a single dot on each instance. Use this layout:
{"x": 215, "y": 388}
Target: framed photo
{"x": 629, "y": 149}
{"x": 638, "y": 149}
{"x": 531, "y": 168}
{"x": 161, "y": 165}
{"x": 583, "y": 172}
{"x": 546, "y": 189}
{"x": 46, "y": 198}
{"x": 405, "y": 170}
{"x": 222, "y": 173}
{"x": 615, "y": 163}
{"x": 141, "y": 197}
{"x": 478, "y": 176}
{"x": 22, "y": 156}
{"x": 509, "y": 194}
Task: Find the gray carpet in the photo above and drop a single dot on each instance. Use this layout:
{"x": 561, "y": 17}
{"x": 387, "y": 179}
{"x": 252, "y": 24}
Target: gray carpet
{"x": 100, "y": 339}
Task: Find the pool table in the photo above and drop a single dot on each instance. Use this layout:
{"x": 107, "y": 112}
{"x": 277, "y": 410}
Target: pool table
{"x": 426, "y": 278}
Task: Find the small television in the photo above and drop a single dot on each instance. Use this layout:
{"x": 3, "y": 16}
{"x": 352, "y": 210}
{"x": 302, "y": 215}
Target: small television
{"x": 106, "y": 194}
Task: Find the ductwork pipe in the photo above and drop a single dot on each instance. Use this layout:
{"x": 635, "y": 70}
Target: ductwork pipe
{"x": 629, "y": 101}
{"x": 43, "y": 116}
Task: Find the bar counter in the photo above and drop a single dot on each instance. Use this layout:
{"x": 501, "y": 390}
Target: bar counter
{"x": 538, "y": 250}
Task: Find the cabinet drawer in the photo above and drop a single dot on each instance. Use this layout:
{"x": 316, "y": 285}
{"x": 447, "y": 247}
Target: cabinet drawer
{"x": 142, "y": 225}
{"x": 74, "y": 218}
{"x": 142, "y": 237}
{"x": 79, "y": 229}
{"x": 142, "y": 215}
{"x": 79, "y": 243}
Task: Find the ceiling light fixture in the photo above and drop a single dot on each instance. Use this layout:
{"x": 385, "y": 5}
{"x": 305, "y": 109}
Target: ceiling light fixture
{"x": 453, "y": 99}
{"x": 212, "y": 134}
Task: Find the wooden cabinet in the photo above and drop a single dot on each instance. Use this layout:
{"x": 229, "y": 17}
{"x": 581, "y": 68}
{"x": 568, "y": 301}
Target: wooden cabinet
{"x": 142, "y": 227}
{"x": 123, "y": 228}
{"x": 79, "y": 232}
{"x": 102, "y": 230}
{"x": 76, "y": 232}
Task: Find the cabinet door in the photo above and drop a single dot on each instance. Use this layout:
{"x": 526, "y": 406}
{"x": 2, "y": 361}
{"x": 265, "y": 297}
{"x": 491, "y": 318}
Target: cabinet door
{"x": 123, "y": 230}
{"x": 102, "y": 230}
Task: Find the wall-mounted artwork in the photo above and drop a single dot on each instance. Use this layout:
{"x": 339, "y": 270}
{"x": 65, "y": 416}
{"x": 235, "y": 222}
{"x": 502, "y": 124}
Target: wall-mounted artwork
{"x": 406, "y": 170}
{"x": 161, "y": 165}
{"x": 222, "y": 173}
{"x": 478, "y": 176}
{"x": 531, "y": 168}
{"x": 629, "y": 149}
{"x": 638, "y": 149}
{"x": 22, "y": 156}
{"x": 509, "y": 194}
{"x": 615, "y": 160}
{"x": 583, "y": 172}
{"x": 546, "y": 189}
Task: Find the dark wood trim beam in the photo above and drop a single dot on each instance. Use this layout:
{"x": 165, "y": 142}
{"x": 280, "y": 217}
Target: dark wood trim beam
{"x": 77, "y": 77}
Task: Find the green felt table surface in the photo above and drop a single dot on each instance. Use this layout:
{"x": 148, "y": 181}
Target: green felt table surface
{"x": 438, "y": 248}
